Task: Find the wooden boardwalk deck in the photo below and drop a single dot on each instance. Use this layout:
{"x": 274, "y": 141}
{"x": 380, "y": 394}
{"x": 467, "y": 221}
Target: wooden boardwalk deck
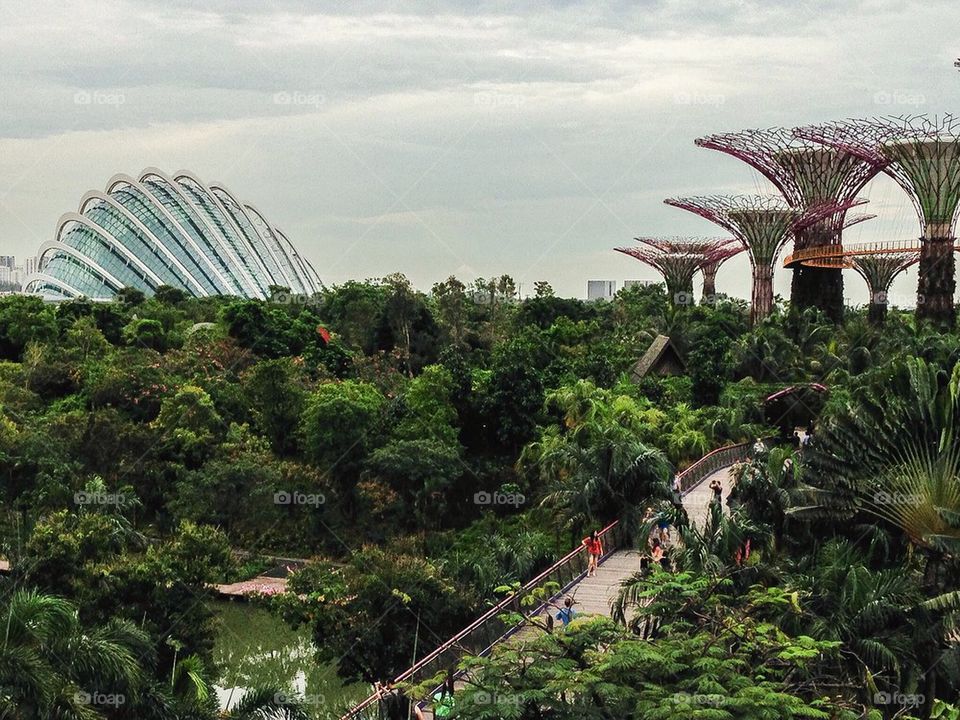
{"x": 697, "y": 501}
{"x": 594, "y": 595}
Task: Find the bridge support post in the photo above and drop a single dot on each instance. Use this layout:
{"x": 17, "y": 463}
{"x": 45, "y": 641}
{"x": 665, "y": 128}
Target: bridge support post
{"x": 817, "y": 287}
{"x": 761, "y": 304}
{"x": 937, "y": 276}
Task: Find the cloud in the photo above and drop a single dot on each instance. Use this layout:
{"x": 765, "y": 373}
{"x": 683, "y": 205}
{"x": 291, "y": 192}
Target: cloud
{"x": 431, "y": 137}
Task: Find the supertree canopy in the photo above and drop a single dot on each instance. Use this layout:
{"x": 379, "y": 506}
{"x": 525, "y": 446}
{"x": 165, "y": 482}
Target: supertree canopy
{"x": 808, "y": 174}
{"x": 679, "y": 258}
{"x": 878, "y": 271}
{"x": 923, "y": 155}
{"x": 763, "y": 225}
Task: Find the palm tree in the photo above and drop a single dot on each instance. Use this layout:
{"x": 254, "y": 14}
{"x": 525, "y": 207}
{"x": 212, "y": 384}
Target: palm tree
{"x": 51, "y": 666}
{"x": 592, "y": 464}
{"x": 685, "y": 439}
{"x": 894, "y": 455}
{"x": 766, "y": 354}
{"x": 767, "y": 487}
{"x": 867, "y": 610}
{"x": 499, "y": 557}
{"x": 720, "y": 544}
{"x": 266, "y": 704}
{"x": 862, "y": 343}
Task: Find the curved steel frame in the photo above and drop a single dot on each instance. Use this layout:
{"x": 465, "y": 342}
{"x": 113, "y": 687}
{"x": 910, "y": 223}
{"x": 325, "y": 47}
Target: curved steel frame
{"x": 58, "y": 244}
{"x": 122, "y": 179}
{"x": 96, "y": 195}
{"x": 243, "y": 277}
{"x": 215, "y": 190}
{"x": 207, "y": 242}
{"x": 241, "y": 236}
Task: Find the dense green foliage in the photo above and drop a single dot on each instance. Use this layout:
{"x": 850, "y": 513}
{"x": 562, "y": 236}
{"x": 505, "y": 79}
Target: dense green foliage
{"x": 439, "y": 446}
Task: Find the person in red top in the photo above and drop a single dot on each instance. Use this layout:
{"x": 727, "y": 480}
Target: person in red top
{"x": 594, "y": 551}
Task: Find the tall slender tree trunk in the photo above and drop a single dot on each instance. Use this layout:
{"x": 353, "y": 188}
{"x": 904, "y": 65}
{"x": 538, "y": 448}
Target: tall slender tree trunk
{"x": 877, "y": 310}
{"x": 821, "y": 288}
{"x": 937, "y": 276}
{"x": 680, "y": 295}
{"x": 709, "y": 283}
{"x": 762, "y": 296}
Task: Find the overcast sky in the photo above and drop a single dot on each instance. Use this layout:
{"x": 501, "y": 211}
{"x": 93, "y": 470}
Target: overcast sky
{"x": 441, "y": 138}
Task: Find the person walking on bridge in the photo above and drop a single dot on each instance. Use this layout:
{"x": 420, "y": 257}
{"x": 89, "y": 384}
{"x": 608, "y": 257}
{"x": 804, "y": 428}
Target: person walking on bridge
{"x": 656, "y": 552}
{"x": 394, "y": 705}
{"x": 594, "y": 551}
{"x": 567, "y": 613}
{"x": 717, "y": 487}
{"x": 676, "y": 490}
{"x": 443, "y": 702}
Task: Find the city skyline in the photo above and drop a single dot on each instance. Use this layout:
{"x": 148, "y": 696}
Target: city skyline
{"x": 13, "y": 273}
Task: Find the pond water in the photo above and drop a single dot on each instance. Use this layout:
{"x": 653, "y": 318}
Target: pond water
{"x": 255, "y": 648}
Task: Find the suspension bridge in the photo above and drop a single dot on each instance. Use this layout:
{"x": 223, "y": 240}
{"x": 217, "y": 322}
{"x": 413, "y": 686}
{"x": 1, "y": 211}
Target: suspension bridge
{"x": 594, "y": 594}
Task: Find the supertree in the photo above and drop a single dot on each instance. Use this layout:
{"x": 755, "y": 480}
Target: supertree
{"x": 763, "y": 225}
{"x": 809, "y": 175}
{"x": 878, "y": 271}
{"x": 923, "y": 155}
{"x": 710, "y": 268}
{"x": 679, "y": 258}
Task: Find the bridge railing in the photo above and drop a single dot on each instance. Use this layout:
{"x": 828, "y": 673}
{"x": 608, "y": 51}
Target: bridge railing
{"x": 711, "y": 462}
{"x": 481, "y": 635}
{"x": 853, "y": 250}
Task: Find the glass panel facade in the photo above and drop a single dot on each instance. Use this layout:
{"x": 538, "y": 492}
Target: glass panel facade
{"x": 136, "y": 203}
{"x": 277, "y": 276}
{"x": 188, "y": 219}
{"x": 137, "y": 243}
{"x": 217, "y": 220}
{"x": 163, "y": 232}
{"x": 102, "y": 253}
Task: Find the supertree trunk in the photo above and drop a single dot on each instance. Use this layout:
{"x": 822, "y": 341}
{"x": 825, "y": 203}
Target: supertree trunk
{"x": 709, "y": 282}
{"x": 937, "y": 278}
{"x": 762, "y": 296}
{"x": 763, "y": 225}
{"x": 817, "y": 287}
{"x": 922, "y": 154}
{"x": 808, "y": 174}
{"x": 877, "y": 310}
{"x": 681, "y": 293}
{"x": 879, "y": 271}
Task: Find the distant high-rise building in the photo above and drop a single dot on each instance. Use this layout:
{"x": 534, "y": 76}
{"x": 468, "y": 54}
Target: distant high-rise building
{"x": 12, "y": 273}
{"x": 627, "y": 284}
{"x": 601, "y": 289}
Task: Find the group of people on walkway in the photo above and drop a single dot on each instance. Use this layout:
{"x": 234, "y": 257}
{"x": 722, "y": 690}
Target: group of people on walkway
{"x": 660, "y": 541}
{"x": 395, "y": 705}
{"x": 802, "y": 441}
{"x": 593, "y": 545}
